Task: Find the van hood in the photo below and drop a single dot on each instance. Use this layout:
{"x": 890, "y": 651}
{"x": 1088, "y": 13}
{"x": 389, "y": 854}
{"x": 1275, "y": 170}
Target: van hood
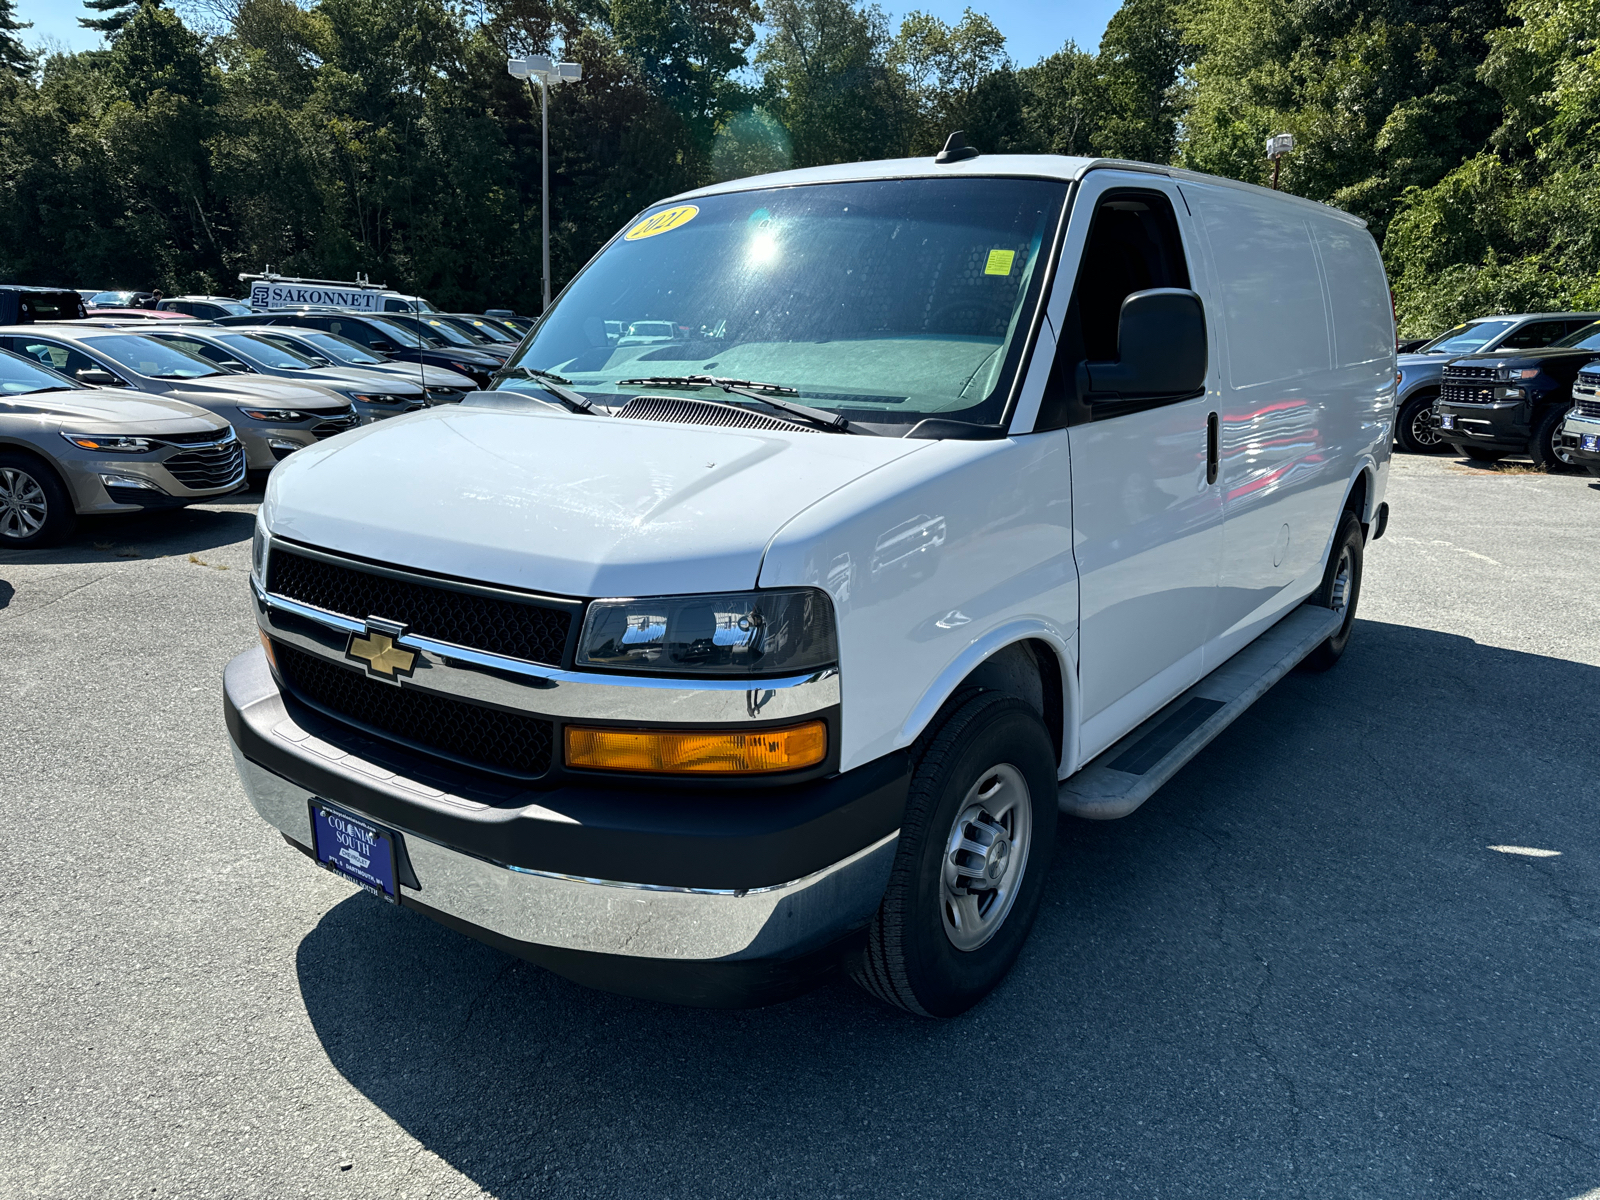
{"x": 563, "y": 503}
{"x": 113, "y": 410}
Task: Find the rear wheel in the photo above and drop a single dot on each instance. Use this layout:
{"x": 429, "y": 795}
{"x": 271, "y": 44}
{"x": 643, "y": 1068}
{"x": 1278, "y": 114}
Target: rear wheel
{"x": 1542, "y": 445}
{"x": 1414, "y": 427}
{"x": 971, "y": 862}
{"x": 1478, "y": 453}
{"x": 1340, "y": 589}
{"x": 35, "y": 509}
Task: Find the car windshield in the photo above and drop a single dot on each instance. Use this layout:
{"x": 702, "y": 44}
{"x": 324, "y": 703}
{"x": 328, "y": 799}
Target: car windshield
{"x": 888, "y": 301}
{"x": 19, "y": 376}
{"x": 484, "y": 329}
{"x": 400, "y": 335}
{"x": 335, "y": 347}
{"x": 1587, "y": 338}
{"x": 151, "y": 357}
{"x": 270, "y": 354}
{"x": 434, "y": 327}
{"x": 1464, "y": 339}
{"x": 232, "y": 307}
{"x": 113, "y": 299}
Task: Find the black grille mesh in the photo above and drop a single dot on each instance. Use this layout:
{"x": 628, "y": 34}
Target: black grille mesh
{"x": 1471, "y": 372}
{"x": 1455, "y": 393}
{"x": 500, "y": 741}
{"x": 214, "y": 466}
{"x": 525, "y": 631}
{"x": 699, "y": 412}
{"x": 1587, "y": 408}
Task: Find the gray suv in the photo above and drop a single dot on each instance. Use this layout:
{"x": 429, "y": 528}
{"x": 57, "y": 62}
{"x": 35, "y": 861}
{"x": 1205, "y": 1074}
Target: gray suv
{"x": 1422, "y": 373}
{"x": 67, "y": 449}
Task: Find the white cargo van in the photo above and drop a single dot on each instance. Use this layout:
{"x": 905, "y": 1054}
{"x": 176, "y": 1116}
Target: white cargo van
{"x": 953, "y": 494}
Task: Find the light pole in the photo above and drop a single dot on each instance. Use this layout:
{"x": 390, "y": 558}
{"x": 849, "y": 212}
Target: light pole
{"x": 1278, "y": 145}
{"x": 549, "y": 73}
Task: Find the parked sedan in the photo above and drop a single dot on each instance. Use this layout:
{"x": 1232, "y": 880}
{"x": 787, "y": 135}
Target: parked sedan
{"x": 208, "y": 307}
{"x": 66, "y": 448}
{"x": 382, "y": 336}
{"x": 441, "y": 386}
{"x": 375, "y": 396}
{"x": 445, "y": 334}
{"x": 488, "y": 328}
{"x": 273, "y": 417}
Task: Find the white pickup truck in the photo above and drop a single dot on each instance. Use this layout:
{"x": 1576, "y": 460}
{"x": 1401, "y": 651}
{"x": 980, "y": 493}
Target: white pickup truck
{"x": 953, "y": 494}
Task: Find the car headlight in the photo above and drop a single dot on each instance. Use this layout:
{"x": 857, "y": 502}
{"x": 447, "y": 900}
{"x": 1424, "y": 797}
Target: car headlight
{"x": 781, "y": 632}
{"x": 375, "y": 398}
{"x": 258, "y": 554}
{"x": 1519, "y": 372}
{"x": 110, "y": 443}
{"x": 277, "y": 416}
{"x": 466, "y": 368}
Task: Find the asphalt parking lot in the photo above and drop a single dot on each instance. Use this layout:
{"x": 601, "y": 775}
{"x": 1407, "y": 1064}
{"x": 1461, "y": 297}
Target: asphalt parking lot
{"x": 1299, "y": 971}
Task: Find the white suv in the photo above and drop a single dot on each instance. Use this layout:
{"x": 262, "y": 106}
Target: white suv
{"x": 972, "y": 490}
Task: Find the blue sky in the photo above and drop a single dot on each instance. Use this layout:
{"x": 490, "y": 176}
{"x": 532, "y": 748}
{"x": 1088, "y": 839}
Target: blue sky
{"x": 1033, "y": 28}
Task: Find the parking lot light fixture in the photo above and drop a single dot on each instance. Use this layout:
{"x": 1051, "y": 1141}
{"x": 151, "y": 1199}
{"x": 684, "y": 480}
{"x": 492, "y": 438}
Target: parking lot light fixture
{"x": 548, "y": 73}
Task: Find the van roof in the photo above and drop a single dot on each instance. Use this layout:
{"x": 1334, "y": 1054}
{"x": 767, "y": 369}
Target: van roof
{"x": 1022, "y": 166}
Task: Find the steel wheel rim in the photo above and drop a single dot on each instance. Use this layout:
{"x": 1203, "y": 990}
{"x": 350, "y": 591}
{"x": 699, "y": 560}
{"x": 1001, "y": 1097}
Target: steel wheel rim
{"x": 1422, "y": 428}
{"x": 1339, "y": 598}
{"x": 23, "y": 504}
{"x": 985, "y": 856}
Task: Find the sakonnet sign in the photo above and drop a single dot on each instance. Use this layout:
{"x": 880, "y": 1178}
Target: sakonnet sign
{"x": 293, "y": 295}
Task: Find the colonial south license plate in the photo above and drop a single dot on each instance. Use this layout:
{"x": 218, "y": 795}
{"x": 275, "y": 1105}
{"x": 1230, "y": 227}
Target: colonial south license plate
{"x": 355, "y": 848}
{"x": 1591, "y": 441}
{"x": 1447, "y": 420}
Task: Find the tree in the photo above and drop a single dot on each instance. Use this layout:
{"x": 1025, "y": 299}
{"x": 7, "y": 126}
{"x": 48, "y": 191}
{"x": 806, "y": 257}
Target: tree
{"x": 118, "y": 14}
{"x": 957, "y": 77}
{"x": 1138, "y": 66}
{"x": 689, "y": 48}
{"x": 14, "y": 57}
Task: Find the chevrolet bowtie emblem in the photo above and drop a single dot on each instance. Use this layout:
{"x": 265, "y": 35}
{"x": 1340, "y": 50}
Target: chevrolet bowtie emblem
{"x": 380, "y": 654}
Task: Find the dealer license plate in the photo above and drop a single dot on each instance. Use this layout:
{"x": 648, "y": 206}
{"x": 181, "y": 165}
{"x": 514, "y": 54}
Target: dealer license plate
{"x": 1591, "y": 441}
{"x": 1447, "y": 420}
{"x": 355, "y": 848}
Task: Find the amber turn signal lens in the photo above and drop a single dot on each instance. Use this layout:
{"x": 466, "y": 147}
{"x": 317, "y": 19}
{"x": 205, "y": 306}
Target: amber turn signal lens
{"x": 266, "y": 644}
{"x": 697, "y": 751}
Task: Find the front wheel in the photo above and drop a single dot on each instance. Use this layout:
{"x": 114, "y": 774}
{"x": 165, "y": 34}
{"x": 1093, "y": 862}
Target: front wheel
{"x": 1340, "y": 589}
{"x": 970, "y": 866}
{"x": 1542, "y": 445}
{"x": 1414, "y": 428}
{"x": 35, "y": 509}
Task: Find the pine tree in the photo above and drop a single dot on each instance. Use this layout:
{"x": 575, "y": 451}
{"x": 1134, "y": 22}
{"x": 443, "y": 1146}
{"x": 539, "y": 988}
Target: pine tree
{"x": 14, "y": 58}
{"x": 118, "y": 13}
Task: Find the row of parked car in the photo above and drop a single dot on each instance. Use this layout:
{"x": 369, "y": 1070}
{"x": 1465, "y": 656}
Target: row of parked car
{"x": 1525, "y": 383}
{"x": 114, "y": 409}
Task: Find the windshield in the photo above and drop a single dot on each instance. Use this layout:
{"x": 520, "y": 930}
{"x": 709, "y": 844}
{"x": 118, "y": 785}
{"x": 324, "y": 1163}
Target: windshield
{"x": 885, "y": 301}
{"x": 335, "y": 347}
{"x": 400, "y": 335}
{"x": 1587, "y": 338}
{"x": 1464, "y": 339}
{"x": 154, "y": 358}
{"x": 19, "y": 375}
{"x": 268, "y": 353}
{"x": 433, "y": 327}
{"x": 484, "y": 329}
{"x": 113, "y": 299}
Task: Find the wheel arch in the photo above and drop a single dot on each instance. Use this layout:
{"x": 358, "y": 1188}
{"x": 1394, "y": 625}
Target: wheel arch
{"x": 64, "y": 478}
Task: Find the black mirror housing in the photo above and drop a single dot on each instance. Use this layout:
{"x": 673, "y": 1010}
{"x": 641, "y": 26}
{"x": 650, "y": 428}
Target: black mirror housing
{"x": 95, "y": 377}
{"x": 1161, "y": 350}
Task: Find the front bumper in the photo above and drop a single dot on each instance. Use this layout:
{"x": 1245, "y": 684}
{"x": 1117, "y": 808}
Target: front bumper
{"x": 1578, "y": 440}
{"x": 1503, "y": 424}
{"x": 127, "y": 484}
{"x": 729, "y": 897}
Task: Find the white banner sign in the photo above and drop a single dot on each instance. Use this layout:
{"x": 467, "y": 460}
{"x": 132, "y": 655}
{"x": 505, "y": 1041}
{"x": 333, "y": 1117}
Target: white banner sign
{"x": 292, "y": 295}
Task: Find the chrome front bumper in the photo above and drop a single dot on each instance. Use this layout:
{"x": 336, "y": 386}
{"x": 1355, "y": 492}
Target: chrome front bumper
{"x": 611, "y": 917}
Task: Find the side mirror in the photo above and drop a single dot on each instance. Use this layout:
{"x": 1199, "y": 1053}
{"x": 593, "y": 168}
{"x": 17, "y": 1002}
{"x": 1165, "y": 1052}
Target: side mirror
{"x": 1161, "y": 350}
{"x": 95, "y": 377}
{"x": 382, "y": 347}
{"x": 320, "y": 361}
{"x": 234, "y": 365}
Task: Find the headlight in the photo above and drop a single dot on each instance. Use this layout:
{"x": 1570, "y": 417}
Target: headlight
{"x": 743, "y": 634}
{"x": 466, "y": 368}
{"x": 258, "y": 554}
{"x": 277, "y": 416}
{"x": 375, "y": 398}
{"x": 111, "y": 443}
{"x": 1519, "y": 372}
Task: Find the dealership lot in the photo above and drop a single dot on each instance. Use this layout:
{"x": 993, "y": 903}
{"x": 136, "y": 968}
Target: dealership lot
{"x": 1299, "y": 970}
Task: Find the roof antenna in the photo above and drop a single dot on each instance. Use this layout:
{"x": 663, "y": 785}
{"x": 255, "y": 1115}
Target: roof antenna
{"x": 956, "y": 149}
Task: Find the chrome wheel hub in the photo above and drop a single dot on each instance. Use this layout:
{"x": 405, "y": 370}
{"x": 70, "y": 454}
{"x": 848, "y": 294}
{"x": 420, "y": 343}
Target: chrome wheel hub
{"x": 1340, "y": 599}
{"x": 23, "y": 506}
{"x": 1422, "y": 427}
{"x": 986, "y": 853}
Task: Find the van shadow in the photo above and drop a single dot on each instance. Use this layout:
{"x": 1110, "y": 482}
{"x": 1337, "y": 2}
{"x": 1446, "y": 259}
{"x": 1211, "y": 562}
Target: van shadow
{"x": 150, "y": 534}
{"x": 1300, "y": 961}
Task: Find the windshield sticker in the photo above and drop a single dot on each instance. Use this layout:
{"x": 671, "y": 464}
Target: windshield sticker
{"x": 1000, "y": 262}
{"x": 661, "y": 222}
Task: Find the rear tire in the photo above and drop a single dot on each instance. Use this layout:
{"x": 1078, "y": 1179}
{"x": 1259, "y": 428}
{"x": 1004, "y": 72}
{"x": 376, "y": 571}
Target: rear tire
{"x": 1340, "y": 589}
{"x": 35, "y": 509}
{"x": 1478, "y": 453}
{"x": 1413, "y": 428}
{"x": 970, "y": 867}
{"x": 1542, "y": 445}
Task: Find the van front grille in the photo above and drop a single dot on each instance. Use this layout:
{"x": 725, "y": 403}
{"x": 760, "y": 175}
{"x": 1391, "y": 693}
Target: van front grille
{"x": 509, "y": 743}
{"x": 498, "y": 625}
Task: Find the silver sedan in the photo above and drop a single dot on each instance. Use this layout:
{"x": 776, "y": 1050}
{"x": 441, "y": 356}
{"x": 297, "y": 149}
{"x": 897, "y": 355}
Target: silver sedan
{"x": 67, "y": 449}
{"x": 442, "y": 386}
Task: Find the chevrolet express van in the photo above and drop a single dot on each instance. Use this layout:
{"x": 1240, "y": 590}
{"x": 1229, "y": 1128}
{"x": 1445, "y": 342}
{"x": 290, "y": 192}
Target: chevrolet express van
{"x": 946, "y": 496}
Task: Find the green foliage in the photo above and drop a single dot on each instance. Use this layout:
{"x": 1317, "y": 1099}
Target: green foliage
{"x": 14, "y": 56}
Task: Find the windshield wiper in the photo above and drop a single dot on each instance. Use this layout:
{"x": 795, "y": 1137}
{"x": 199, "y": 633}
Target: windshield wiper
{"x": 558, "y": 386}
{"x": 761, "y": 393}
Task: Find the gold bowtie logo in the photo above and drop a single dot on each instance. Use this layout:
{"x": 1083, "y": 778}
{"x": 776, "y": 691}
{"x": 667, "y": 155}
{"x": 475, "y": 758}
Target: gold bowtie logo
{"x": 380, "y": 654}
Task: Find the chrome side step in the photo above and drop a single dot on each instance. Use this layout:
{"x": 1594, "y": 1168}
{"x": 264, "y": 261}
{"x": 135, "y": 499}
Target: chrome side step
{"x": 1128, "y": 773}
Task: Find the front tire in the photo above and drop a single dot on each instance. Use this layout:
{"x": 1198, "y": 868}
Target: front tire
{"x": 970, "y": 867}
{"x": 1340, "y": 589}
{"x": 35, "y": 510}
{"x": 1414, "y": 430}
{"x": 1542, "y": 445}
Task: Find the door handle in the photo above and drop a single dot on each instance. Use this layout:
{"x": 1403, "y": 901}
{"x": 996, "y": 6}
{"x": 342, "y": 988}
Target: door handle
{"x": 1211, "y": 448}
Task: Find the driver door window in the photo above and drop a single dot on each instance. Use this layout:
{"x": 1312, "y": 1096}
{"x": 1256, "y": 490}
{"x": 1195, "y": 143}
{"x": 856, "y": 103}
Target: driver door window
{"x": 62, "y": 358}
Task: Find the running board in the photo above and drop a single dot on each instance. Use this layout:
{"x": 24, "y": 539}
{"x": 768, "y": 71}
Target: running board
{"x": 1125, "y": 776}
